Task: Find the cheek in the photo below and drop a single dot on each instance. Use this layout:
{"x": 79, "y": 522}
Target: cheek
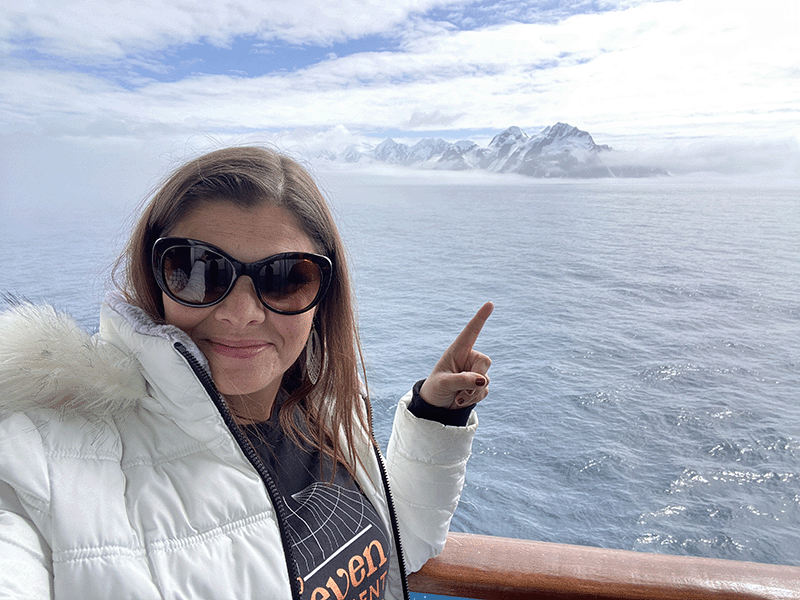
{"x": 296, "y": 331}
{"x": 183, "y": 317}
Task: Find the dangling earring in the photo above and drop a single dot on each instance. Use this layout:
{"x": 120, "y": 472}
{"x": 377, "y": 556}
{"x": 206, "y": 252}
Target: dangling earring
{"x": 314, "y": 355}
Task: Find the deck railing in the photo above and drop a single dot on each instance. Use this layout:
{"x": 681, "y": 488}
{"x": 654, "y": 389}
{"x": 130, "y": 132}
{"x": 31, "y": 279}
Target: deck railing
{"x": 481, "y": 567}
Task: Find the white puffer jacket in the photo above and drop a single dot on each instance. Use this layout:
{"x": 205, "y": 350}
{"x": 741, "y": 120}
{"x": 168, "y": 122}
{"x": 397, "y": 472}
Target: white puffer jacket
{"x": 119, "y": 477}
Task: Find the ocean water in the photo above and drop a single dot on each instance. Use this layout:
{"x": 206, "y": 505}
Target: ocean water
{"x": 645, "y": 386}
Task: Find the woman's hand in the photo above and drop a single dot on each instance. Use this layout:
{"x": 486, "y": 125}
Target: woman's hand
{"x": 459, "y": 378}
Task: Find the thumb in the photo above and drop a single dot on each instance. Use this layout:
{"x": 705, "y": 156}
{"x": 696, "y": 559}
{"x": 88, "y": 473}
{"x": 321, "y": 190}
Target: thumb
{"x": 443, "y": 389}
{"x": 466, "y": 381}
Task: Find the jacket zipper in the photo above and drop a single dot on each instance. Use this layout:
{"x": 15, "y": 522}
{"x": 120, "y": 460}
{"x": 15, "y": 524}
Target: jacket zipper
{"x": 272, "y": 489}
{"x": 251, "y": 454}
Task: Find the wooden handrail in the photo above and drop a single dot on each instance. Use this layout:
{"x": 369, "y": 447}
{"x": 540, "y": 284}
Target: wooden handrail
{"x": 481, "y": 567}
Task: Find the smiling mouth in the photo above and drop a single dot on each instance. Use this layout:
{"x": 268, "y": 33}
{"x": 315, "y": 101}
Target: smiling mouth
{"x": 244, "y": 349}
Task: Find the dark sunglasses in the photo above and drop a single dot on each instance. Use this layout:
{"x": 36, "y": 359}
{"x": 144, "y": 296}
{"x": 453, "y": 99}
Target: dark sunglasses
{"x": 194, "y": 273}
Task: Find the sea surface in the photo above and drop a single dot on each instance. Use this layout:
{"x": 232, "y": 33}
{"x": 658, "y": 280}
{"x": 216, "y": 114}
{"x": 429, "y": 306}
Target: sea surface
{"x": 645, "y": 386}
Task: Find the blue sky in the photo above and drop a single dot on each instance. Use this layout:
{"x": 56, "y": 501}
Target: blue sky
{"x": 671, "y": 77}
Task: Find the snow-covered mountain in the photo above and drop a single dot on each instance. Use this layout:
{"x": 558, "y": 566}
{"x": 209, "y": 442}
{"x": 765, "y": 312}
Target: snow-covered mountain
{"x": 557, "y": 151}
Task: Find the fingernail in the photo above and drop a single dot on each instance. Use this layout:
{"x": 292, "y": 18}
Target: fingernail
{"x": 480, "y": 381}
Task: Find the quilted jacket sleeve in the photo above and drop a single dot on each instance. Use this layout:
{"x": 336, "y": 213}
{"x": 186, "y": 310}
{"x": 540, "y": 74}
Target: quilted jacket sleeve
{"x": 25, "y": 562}
{"x": 426, "y": 462}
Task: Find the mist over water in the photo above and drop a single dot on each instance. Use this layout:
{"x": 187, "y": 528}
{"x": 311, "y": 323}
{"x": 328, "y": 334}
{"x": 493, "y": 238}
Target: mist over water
{"x": 646, "y": 344}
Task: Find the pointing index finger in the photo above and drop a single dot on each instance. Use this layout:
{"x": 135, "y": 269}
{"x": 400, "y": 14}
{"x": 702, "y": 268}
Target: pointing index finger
{"x": 469, "y": 335}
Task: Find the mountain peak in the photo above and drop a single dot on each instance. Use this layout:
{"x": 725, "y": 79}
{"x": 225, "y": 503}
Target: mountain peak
{"x": 511, "y": 135}
{"x": 390, "y": 151}
{"x": 563, "y": 130}
{"x": 562, "y": 127}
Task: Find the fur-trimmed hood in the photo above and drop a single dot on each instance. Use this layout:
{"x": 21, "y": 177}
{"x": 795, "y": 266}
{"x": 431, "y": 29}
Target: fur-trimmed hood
{"x": 48, "y": 361}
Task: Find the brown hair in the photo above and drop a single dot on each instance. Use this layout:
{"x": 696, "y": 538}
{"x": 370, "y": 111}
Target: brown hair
{"x": 248, "y": 177}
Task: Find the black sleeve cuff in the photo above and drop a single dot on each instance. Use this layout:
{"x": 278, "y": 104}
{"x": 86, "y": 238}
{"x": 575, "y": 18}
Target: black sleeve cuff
{"x": 419, "y": 408}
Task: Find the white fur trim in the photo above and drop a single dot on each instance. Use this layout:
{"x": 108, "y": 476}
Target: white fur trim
{"x": 48, "y": 361}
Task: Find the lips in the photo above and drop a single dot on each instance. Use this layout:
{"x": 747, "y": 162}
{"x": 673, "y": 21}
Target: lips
{"x": 238, "y": 348}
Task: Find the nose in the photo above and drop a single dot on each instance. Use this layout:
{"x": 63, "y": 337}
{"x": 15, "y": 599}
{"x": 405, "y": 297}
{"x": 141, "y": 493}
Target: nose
{"x": 241, "y": 306}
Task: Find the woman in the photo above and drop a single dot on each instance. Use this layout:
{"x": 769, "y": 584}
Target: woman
{"x": 213, "y": 439}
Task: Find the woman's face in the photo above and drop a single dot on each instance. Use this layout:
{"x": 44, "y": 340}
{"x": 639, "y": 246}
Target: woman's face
{"x": 248, "y": 346}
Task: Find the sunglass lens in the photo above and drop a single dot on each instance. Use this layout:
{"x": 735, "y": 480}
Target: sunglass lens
{"x": 195, "y": 275}
{"x": 290, "y": 285}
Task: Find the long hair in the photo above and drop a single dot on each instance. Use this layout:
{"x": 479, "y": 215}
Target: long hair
{"x": 336, "y": 403}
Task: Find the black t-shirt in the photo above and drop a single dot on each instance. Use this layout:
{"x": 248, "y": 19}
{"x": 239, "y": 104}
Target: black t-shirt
{"x": 339, "y": 541}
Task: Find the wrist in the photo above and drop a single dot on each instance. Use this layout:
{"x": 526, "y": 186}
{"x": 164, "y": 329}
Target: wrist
{"x": 420, "y": 408}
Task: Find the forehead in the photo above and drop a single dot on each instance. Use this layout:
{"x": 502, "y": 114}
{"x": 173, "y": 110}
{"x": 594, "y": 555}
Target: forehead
{"x": 247, "y": 234}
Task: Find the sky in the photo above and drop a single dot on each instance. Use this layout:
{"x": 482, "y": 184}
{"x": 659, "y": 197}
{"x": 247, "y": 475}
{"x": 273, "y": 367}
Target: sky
{"x": 697, "y": 85}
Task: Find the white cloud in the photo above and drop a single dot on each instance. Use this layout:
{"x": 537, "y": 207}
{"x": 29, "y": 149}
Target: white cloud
{"x": 659, "y": 70}
{"x": 778, "y": 158}
{"x": 100, "y": 30}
